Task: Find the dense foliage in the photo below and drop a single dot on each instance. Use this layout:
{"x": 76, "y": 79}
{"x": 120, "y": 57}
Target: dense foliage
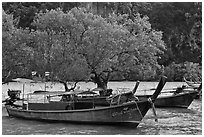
{"x": 102, "y": 41}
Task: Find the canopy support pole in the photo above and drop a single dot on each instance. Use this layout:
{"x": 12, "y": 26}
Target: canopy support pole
{"x": 23, "y": 94}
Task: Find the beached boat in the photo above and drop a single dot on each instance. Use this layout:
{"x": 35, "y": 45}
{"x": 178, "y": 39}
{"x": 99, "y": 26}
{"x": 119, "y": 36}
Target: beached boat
{"x": 182, "y": 99}
{"x": 178, "y": 97}
{"x": 130, "y": 112}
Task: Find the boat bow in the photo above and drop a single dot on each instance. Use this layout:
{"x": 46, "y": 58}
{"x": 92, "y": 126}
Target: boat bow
{"x": 151, "y": 100}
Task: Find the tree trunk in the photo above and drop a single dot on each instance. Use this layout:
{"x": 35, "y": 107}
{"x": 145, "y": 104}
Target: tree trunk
{"x": 101, "y": 80}
{"x": 101, "y": 84}
{"x": 66, "y": 87}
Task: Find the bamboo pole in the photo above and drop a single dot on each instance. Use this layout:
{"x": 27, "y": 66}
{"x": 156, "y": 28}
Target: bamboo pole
{"x": 23, "y": 94}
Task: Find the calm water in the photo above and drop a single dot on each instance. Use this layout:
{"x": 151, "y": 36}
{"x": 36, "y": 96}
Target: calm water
{"x": 172, "y": 121}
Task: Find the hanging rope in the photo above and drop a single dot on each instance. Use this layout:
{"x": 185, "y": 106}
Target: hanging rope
{"x": 153, "y": 108}
{"x": 119, "y": 99}
{"x": 138, "y": 109}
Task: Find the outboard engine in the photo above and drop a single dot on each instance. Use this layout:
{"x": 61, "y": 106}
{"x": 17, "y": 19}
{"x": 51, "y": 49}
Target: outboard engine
{"x": 14, "y": 95}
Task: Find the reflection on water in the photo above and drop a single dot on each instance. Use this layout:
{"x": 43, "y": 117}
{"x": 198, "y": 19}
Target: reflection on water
{"x": 172, "y": 121}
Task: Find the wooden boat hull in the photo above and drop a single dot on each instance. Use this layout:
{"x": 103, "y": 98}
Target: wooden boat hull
{"x": 182, "y": 100}
{"x": 128, "y": 113}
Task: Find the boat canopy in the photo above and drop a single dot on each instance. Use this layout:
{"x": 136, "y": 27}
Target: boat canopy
{"x": 60, "y": 93}
{"x": 51, "y": 93}
{"x": 23, "y": 80}
{"x": 88, "y": 92}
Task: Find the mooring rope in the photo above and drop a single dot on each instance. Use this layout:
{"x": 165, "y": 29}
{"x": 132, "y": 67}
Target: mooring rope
{"x": 153, "y": 108}
{"x": 119, "y": 99}
{"x": 139, "y": 110}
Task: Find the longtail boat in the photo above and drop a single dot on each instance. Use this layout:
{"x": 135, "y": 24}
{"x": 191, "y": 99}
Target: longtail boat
{"x": 130, "y": 112}
{"x": 179, "y": 98}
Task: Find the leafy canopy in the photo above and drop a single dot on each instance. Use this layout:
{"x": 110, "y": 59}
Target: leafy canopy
{"x": 79, "y": 41}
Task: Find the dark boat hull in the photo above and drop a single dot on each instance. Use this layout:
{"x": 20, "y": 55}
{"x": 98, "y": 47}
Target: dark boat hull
{"x": 182, "y": 100}
{"x": 131, "y": 112}
{"x": 128, "y": 113}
